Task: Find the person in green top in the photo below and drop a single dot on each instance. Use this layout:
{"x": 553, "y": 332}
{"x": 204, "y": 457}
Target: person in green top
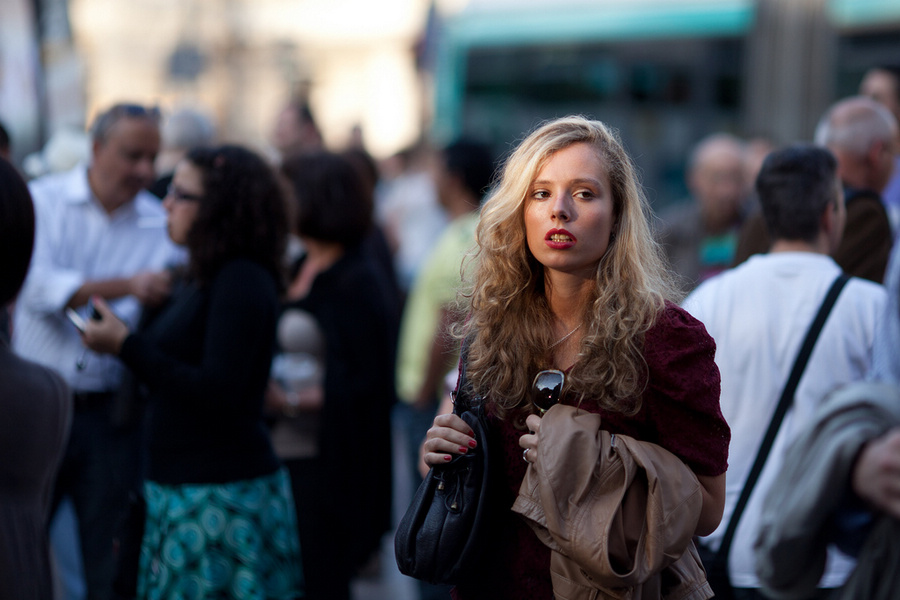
{"x": 426, "y": 351}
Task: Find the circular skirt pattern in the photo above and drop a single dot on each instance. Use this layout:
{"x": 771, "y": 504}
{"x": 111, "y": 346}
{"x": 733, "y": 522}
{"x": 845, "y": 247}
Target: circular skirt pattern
{"x": 235, "y": 540}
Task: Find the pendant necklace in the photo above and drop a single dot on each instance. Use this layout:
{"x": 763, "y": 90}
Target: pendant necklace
{"x": 565, "y": 337}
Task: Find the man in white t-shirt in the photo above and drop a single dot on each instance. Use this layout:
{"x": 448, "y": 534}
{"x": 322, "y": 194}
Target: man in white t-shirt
{"x": 759, "y": 312}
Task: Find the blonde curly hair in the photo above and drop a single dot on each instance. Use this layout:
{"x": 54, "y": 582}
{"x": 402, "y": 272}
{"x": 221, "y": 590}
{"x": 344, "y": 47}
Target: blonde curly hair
{"x": 508, "y": 321}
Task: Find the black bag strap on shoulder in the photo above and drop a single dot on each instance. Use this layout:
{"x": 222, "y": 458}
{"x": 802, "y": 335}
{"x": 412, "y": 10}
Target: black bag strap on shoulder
{"x": 787, "y": 397}
{"x": 462, "y": 400}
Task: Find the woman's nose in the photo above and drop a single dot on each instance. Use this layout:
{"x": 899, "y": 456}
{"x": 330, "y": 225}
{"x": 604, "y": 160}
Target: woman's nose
{"x": 561, "y": 208}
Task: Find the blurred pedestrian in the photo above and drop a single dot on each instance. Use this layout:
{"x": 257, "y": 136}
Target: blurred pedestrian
{"x": 426, "y": 350}
{"x": 862, "y": 135}
{"x": 220, "y": 516}
{"x": 343, "y": 512}
{"x": 839, "y": 480}
{"x": 759, "y": 312}
{"x": 99, "y": 233}
{"x": 570, "y": 288}
{"x": 183, "y": 130}
{"x": 882, "y": 84}
{"x": 296, "y": 131}
{"x": 409, "y": 211}
{"x": 35, "y": 416}
{"x": 700, "y": 235}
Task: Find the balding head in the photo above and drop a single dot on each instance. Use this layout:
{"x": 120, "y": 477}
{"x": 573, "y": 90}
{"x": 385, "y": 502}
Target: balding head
{"x": 716, "y": 179}
{"x": 861, "y": 133}
{"x": 882, "y": 84}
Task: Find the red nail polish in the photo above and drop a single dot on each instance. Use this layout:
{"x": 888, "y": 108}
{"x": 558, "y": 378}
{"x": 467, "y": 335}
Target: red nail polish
{"x": 463, "y": 449}
{"x": 472, "y": 443}
{"x": 447, "y": 458}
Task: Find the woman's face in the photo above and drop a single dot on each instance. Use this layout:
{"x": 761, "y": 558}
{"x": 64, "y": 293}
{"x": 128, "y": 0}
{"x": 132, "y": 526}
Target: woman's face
{"x": 569, "y": 212}
{"x": 183, "y": 200}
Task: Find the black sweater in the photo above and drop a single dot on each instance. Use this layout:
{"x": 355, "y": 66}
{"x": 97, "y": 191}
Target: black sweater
{"x": 205, "y": 359}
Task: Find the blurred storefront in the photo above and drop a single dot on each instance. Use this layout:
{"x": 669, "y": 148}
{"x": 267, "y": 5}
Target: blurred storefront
{"x": 665, "y": 72}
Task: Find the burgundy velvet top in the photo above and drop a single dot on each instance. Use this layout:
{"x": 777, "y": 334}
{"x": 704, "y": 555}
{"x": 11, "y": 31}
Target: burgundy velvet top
{"x": 680, "y": 412}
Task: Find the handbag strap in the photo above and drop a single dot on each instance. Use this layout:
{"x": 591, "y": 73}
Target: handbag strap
{"x": 462, "y": 400}
{"x": 787, "y": 396}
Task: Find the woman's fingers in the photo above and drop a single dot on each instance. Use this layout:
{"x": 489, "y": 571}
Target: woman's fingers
{"x": 529, "y": 441}
{"x": 449, "y": 435}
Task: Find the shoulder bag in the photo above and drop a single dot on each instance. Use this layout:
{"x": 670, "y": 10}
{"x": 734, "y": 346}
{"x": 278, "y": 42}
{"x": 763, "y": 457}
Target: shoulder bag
{"x": 443, "y": 532}
{"x": 716, "y": 562}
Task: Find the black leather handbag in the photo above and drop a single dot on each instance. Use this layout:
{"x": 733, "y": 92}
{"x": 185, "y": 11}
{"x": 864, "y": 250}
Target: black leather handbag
{"x": 444, "y": 531}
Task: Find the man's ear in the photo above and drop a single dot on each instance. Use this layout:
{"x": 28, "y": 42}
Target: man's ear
{"x": 873, "y": 155}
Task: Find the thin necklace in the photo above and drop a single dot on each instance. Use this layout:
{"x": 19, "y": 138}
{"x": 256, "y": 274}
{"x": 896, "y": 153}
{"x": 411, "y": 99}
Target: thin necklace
{"x": 565, "y": 337}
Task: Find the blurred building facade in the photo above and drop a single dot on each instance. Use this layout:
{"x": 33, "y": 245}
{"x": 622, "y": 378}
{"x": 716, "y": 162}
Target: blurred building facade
{"x": 664, "y": 72}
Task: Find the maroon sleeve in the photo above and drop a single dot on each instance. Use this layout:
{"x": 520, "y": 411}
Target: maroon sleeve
{"x": 682, "y": 398}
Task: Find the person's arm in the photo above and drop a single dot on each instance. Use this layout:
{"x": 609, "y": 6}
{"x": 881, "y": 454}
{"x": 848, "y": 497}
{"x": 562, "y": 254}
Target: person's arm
{"x": 713, "y": 489}
{"x": 440, "y": 359}
{"x": 51, "y": 286}
{"x": 238, "y": 335}
{"x": 151, "y": 288}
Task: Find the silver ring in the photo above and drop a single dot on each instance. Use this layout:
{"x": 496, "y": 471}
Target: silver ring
{"x": 525, "y": 455}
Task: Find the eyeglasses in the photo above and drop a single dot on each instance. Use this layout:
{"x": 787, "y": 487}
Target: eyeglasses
{"x": 181, "y": 196}
{"x": 546, "y": 389}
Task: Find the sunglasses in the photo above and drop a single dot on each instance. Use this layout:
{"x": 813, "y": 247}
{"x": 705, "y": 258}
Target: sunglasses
{"x": 546, "y": 389}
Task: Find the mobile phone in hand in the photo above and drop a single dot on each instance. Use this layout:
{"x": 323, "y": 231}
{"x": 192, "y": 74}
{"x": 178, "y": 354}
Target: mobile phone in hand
{"x": 95, "y": 314}
{"x": 76, "y": 319}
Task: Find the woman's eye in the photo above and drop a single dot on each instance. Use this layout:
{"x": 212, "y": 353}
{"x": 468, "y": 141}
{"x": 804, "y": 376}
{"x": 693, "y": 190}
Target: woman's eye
{"x": 584, "y": 194}
{"x": 540, "y": 194}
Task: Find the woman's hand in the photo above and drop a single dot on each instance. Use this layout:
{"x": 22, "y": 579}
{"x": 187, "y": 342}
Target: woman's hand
{"x": 448, "y": 435}
{"x": 104, "y": 335}
{"x": 280, "y": 401}
{"x": 529, "y": 441}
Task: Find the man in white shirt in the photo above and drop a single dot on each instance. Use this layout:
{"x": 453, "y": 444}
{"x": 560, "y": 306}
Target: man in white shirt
{"x": 98, "y": 233}
{"x": 759, "y": 313}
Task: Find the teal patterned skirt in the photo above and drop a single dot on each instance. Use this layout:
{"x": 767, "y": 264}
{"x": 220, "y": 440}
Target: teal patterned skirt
{"x": 224, "y": 541}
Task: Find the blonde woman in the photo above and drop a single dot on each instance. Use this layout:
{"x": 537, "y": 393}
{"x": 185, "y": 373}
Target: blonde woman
{"x": 570, "y": 281}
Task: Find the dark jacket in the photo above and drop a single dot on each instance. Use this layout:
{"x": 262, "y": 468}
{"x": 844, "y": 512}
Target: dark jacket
{"x": 865, "y": 246}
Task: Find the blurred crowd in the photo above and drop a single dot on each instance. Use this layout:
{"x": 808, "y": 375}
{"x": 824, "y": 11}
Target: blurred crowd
{"x": 255, "y": 329}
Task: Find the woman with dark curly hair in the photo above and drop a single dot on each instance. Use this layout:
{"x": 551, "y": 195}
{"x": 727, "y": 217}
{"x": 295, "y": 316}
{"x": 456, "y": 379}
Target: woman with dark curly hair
{"x": 220, "y": 515}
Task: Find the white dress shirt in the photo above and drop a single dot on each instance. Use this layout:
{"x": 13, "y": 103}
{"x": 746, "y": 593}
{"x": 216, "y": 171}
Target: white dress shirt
{"x": 758, "y": 313}
{"x": 76, "y": 240}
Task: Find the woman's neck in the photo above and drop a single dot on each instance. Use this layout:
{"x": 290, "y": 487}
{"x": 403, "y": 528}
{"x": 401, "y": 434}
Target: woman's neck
{"x": 566, "y": 297}
{"x": 320, "y": 256}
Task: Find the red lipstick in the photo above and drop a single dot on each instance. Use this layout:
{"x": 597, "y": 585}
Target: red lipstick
{"x": 560, "y": 239}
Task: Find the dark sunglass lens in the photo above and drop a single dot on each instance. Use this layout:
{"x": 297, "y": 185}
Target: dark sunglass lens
{"x": 546, "y": 390}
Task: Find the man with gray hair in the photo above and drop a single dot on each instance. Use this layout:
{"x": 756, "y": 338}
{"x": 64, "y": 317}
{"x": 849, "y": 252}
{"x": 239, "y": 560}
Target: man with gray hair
{"x": 99, "y": 233}
{"x": 861, "y": 134}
